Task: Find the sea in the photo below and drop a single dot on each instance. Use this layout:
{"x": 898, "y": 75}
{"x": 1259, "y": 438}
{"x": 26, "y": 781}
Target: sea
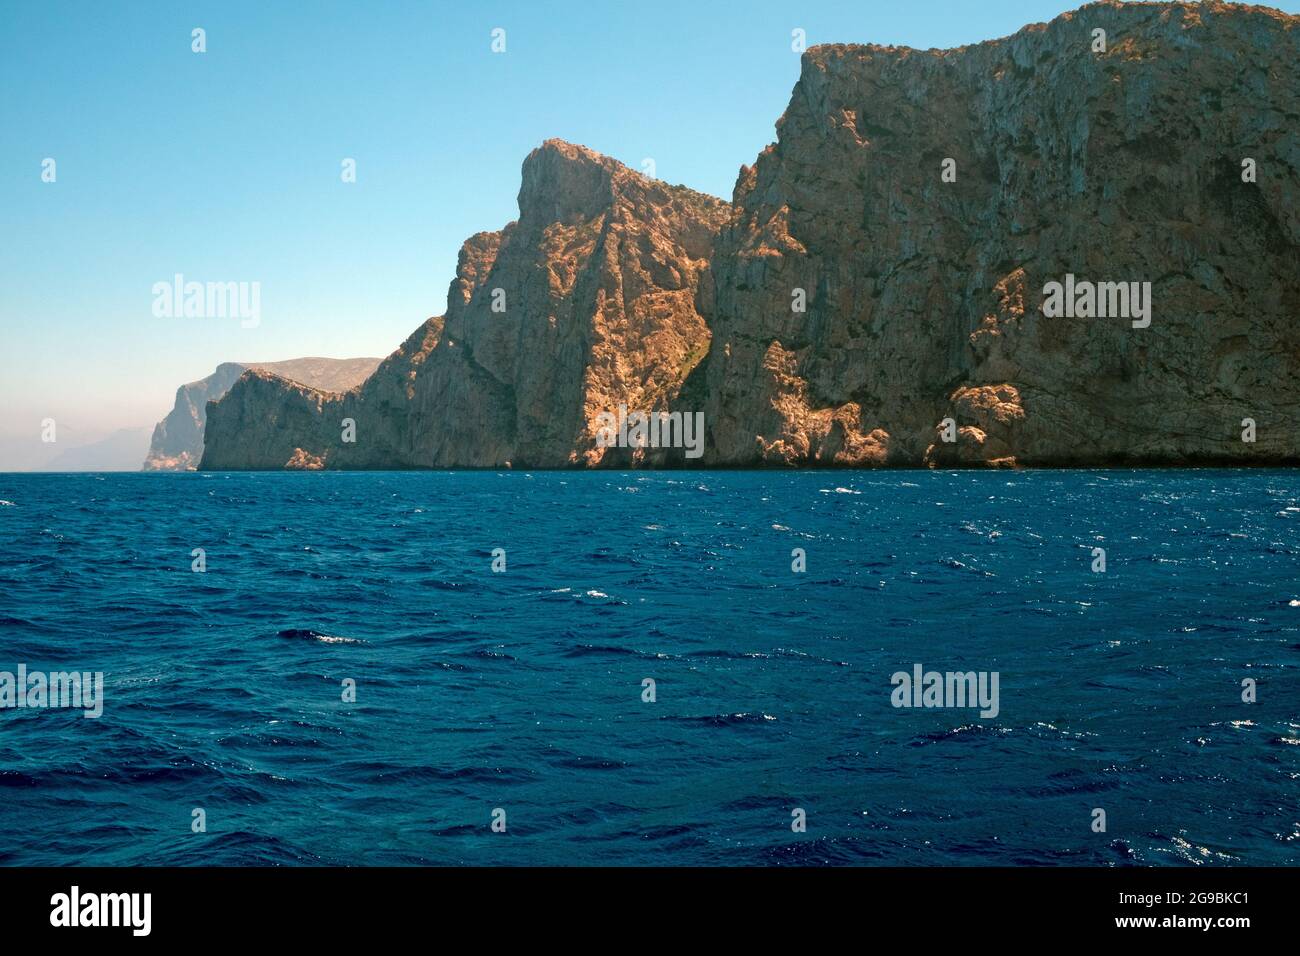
{"x": 653, "y": 668}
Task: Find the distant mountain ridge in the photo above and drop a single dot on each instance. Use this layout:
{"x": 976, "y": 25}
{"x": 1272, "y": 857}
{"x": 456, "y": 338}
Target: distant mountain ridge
{"x": 177, "y": 443}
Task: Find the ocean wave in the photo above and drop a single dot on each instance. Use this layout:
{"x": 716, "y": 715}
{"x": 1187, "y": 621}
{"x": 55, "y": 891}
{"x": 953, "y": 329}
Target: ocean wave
{"x": 307, "y": 634}
{"x": 741, "y": 719}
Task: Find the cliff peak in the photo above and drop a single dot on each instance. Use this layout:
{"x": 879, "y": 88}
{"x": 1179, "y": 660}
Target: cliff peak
{"x": 563, "y": 182}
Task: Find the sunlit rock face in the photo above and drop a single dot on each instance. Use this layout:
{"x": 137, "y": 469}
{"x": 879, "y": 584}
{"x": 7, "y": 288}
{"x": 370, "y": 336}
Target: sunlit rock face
{"x": 924, "y": 297}
{"x": 586, "y": 302}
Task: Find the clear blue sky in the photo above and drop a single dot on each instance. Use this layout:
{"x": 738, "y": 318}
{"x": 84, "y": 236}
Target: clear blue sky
{"x": 225, "y": 165}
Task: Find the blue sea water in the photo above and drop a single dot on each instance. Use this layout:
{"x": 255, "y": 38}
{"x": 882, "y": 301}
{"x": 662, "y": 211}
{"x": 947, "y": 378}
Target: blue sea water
{"x": 522, "y": 690}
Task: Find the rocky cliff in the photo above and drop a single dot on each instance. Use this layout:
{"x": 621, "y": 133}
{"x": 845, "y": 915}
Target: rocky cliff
{"x": 177, "y": 443}
{"x": 588, "y": 300}
{"x": 878, "y": 291}
{"x": 924, "y": 297}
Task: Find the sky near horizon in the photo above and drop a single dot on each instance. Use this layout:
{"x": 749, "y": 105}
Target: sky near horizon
{"x": 226, "y": 165}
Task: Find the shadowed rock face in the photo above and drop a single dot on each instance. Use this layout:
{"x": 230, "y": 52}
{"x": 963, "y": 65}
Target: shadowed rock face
{"x": 923, "y": 298}
{"x": 178, "y": 439}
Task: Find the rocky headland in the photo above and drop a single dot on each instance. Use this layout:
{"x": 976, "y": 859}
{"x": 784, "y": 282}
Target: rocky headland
{"x": 177, "y": 443}
{"x": 876, "y": 291}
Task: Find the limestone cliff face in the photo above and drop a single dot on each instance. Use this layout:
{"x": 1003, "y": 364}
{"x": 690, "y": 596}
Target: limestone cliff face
{"x": 596, "y": 288}
{"x": 874, "y": 295}
{"x": 924, "y": 297}
{"x": 586, "y": 302}
{"x": 178, "y": 439}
